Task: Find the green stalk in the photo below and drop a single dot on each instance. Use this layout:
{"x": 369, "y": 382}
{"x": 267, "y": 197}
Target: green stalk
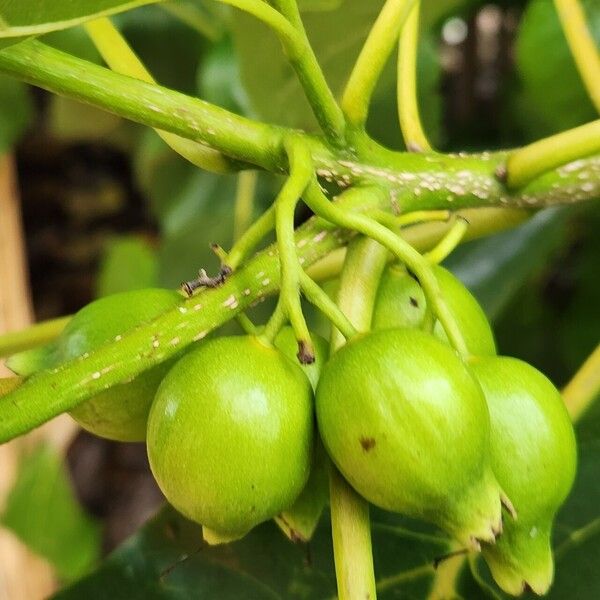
{"x": 235, "y": 136}
{"x": 36, "y": 335}
{"x": 350, "y": 526}
{"x": 303, "y": 60}
{"x": 582, "y": 45}
{"x": 118, "y": 55}
{"x": 251, "y": 238}
{"x": 449, "y": 242}
{"x": 408, "y": 106}
{"x": 584, "y": 387}
{"x": 371, "y": 60}
{"x": 285, "y": 204}
{"x": 527, "y": 163}
{"x": 244, "y": 203}
{"x": 321, "y": 206}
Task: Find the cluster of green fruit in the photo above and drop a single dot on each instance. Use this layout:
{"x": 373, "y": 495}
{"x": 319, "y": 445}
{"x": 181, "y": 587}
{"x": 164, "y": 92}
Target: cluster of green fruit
{"x": 412, "y": 426}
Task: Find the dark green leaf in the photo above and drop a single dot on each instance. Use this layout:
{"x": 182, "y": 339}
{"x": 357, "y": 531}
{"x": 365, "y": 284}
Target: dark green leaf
{"x": 43, "y": 512}
{"x": 552, "y": 96}
{"x": 129, "y": 263}
{"x": 16, "y": 111}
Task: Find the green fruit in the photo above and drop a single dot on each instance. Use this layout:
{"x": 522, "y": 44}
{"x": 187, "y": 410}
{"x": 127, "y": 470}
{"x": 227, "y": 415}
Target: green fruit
{"x": 300, "y": 520}
{"x": 286, "y": 342}
{"x": 121, "y": 412}
{"x": 230, "y": 435}
{"x": 401, "y": 303}
{"x": 407, "y": 425}
{"x": 533, "y": 455}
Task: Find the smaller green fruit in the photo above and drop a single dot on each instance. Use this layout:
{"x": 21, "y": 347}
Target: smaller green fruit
{"x": 230, "y": 435}
{"x": 533, "y": 455}
{"x": 407, "y": 425}
{"x": 299, "y": 521}
{"x": 121, "y": 412}
{"x": 401, "y": 303}
{"x": 400, "y": 300}
{"x": 285, "y": 341}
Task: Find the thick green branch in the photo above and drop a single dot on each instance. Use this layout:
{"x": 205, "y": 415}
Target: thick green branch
{"x": 414, "y": 181}
{"x": 234, "y": 136}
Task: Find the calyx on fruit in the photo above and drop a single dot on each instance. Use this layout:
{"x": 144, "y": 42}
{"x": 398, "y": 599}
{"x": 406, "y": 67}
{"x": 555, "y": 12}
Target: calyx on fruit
{"x": 401, "y": 302}
{"x": 533, "y": 454}
{"x": 230, "y": 435}
{"x": 407, "y": 425}
{"x": 121, "y": 412}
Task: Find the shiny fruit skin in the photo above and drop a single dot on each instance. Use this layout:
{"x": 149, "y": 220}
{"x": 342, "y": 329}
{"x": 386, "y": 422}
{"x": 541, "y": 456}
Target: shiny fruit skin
{"x": 230, "y": 434}
{"x": 533, "y": 453}
{"x": 401, "y": 303}
{"x": 400, "y": 300}
{"x": 120, "y": 413}
{"x": 407, "y": 425}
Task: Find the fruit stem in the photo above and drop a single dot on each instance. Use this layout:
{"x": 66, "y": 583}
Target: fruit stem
{"x": 584, "y": 387}
{"x": 371, "y": 60}
{"x": 321, "y": 206}
{"x": 36, "y": 335}
{"x": 351, "y": 531}
{"x": 408, "y": 107}
{"x": 449, "y": 242}
{"x": 529, "y": 162}
{"x": 301, "y": 172}
{"x": 250, "y": 239}
{"x": 582, "y": 45}
{"x": 244, "y": 202}
{"x": 119, "y": 56}
{"x": 317, "y": 297}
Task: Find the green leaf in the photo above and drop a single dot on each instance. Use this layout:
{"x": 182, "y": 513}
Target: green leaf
{"x": 16, "y": 111}
{"x": 19, "y": 19}
{"x": 129, "y": 263}
{"x": 336, "y": 35}
{"x": 495, "y": 268}
{"x": 43, "y": 512}
{"x": 167, "y": 559}
{"x": 552, "y": 97}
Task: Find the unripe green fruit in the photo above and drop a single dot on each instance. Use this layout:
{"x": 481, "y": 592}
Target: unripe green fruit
{"x": 401, "y": 303}
{"x": 121, "y": 412}
{"x": 230, "y": 435}
{"x": 300, "y": 520}
{"x": 407, "y": 425}
{"x": 286, "y": 342}
{"x": 533, "y": 455}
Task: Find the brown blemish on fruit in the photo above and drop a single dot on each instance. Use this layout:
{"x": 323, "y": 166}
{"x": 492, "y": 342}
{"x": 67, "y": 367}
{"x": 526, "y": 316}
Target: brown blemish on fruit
{"x": 367, "y": 443}
{"x": 414, "y": 302}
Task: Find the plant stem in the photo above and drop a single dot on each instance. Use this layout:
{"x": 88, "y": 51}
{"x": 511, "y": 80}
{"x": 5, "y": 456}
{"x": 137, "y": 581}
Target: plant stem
{"x": 300, "y": 174}
{"x": 584, "y": 387}
{"x": 36, "y": 335}
{"x": 303, "y": 60}
{"x": 449, "y": 242}
{"x": 527, "y": 163}
{"x": 118, "y": 55}
{"x": 250, "y": 239}
{"x": 350, "y": 527}
{"x": 321, "y": 206}
{"x": 408, "y": 106}
{"x": 233, "y": 135}
{"x": 244, "y": 203}
{"x": 372, "y": 59}
{"x": 582, "y": 45}
{"x": 417, "y": 181}
{"x": 317, "y": 297}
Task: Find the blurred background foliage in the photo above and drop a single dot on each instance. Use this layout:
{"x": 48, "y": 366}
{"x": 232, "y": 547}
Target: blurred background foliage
{"x": 108, "y": 207}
